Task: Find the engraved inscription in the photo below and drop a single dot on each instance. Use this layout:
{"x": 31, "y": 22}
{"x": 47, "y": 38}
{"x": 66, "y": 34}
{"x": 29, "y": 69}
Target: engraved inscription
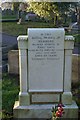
{"x": 45, "y": 59}
{"x": 43, "y": 47}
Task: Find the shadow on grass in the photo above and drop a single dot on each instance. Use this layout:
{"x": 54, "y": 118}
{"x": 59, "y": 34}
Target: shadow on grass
{"x": 10, "y": 91}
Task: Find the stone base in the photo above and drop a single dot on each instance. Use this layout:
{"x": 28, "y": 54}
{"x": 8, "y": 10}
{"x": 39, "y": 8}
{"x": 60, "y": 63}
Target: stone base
{"x": 67, "y": 98}
{"x": 43, "y": 111}
{"x": 24, "y": 99}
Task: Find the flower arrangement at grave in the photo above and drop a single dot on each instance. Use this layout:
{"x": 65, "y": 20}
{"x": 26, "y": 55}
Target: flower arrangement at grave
{"x": 57, "y": 111}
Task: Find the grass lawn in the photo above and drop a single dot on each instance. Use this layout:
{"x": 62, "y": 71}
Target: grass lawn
{"x": 77, "y": 38}
{"x": 12, "y": 28}
{"x": 9, "y": 17}
{"x": 10, "y": 91}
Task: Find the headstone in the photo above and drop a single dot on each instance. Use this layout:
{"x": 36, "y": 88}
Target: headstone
{"x": 45, "y": 57}
{"x": 45, "y": 63}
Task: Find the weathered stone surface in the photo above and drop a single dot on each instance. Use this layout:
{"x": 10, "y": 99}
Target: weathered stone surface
{"x": 43, "y": 111}
{"x": 45, "y": 98}
{"x": 45, "y": 59}
{"x": 13, "y": 62}
{"x": 67, "y": 98}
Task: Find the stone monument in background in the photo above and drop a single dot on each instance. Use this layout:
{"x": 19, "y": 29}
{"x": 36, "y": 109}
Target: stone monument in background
{"x": 45, "y": 62}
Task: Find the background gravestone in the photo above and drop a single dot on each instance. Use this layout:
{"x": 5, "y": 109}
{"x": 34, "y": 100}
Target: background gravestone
{"x": 13, "y": 61}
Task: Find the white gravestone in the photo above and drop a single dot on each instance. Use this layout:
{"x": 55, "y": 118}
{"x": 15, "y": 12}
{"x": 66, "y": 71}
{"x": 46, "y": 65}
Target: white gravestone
{"x": 45, "y": 59}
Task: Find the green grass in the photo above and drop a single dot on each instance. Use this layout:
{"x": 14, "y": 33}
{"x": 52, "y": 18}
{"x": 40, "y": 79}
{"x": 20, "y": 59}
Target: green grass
{"x": 12, "y": 28}
{"x": 77, "y": 38}
{"x": 10, "y": 90}
{"x": 9, "y": 17}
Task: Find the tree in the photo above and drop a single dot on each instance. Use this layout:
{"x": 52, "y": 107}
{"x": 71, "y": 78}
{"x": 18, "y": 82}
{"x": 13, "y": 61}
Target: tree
{"x": 64, "y": 10}
{"x": 48, "y": 10}
{"x": 15, "y": 6}
{"x": 51, "y": 10}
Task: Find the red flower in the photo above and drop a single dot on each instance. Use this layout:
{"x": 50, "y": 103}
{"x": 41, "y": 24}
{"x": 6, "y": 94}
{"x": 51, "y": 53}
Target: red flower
{"x": 59, "y": 113}
{"x": 58, "y": 110}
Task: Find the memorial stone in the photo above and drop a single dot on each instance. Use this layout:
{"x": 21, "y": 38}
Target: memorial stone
{"x": 45, "y": 60}
{"x": 13, "y": 61}
{"x": 45, "y": 63}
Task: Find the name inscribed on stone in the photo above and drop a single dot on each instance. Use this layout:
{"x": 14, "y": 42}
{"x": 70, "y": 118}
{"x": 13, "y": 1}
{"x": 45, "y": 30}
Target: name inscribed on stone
{"x": 44, "y": 47}
{"x": 45, "y": 57}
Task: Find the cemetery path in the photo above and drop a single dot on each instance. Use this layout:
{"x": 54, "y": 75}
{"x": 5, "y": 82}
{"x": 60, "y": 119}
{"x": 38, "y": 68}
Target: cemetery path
{"x": 8, "y": 40}
{"x": 8, "y": 43}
